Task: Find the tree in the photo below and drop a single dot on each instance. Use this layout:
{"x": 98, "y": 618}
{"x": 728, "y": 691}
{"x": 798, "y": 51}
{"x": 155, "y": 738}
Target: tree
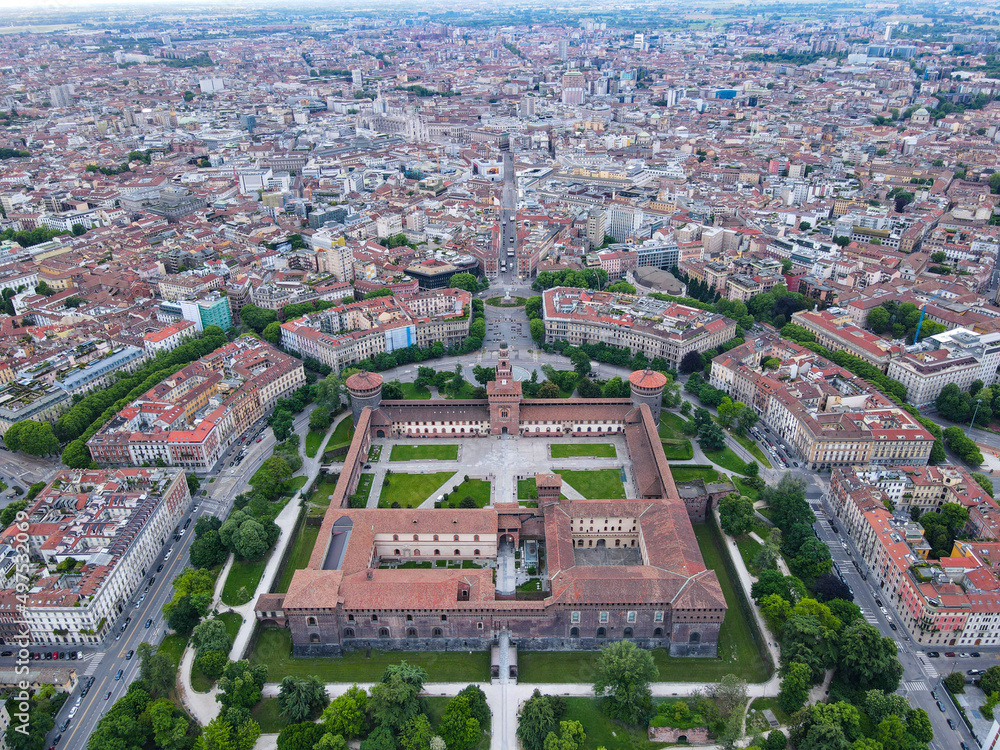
{"x": 272, "y": 332}
{"x": 221, "y": 735}
{"x": 829, "y": 586}
{"x": 691, "y": 362}
{"x": 989, "y": 681}
{"x": 346, "y": 715}
{"x": 536, "y": 721}
{"x": 417, "y": 734}
{"x": 183, "y": 616}
{"x": 241, "y": 685}
{"x": 867, "y": 659}
{"x": 299, "y": 736}
{"x": 879, "y": 705}
{"x": 170, "y": 726}
{"x": 381, "y": 738}
{"x": 581, "y": 362}
{"x": 878, "y": 319}
{"x": 212, "y": 663}
{"x": 795, "y": 687}
{"x": 8, "y": 514}
{"x": 207, "y": 550}
{"x": 548, "y": 389}
{"x": 711, "y": 437}
{"x": 918, "y": 725}
{"x": 301, "y": 698}
{"x": 465, "y": 281}
{"x": 270, "y": 477}
{"x": 811, "y": 561}
{"x": 537, "y": 327}
{"x": 76, "y": 455}
{"x": 952, "y": 403}
{"x": 571, "y": 737}
{"x": 478, "y": 707}
{"x": 622, "y": 676}
{"x": 257, "y": 318}
{"x": 211, "y": 635}
{"x": 459, "y": 729}
{"x": 31, "y": 437}
{"x": 394, "y": 700}
{"x": 736, "y": 514}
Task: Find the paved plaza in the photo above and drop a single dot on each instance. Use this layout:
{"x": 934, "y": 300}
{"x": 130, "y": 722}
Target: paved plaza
{"x": 501, "y": 460}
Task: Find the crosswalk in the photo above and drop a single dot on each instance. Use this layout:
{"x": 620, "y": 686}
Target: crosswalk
{"x": 95, "y": 661}
{"x": 915, "y": 686}
{"x": 927, "y": 667}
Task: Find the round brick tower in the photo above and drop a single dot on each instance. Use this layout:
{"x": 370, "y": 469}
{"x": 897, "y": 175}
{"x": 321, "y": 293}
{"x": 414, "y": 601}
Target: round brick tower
{"x": 366, "y": 390}
{"x": 647, "y": 388}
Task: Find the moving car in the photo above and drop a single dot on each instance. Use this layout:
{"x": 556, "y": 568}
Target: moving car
{"x": 951, "y": 724}
{"x": 107, "y": 695}
{"x": 120, "y": 672}
{"x": 130, "y": 653}
{"x": 940, "y": 706}
{"x": 149, "y": 622}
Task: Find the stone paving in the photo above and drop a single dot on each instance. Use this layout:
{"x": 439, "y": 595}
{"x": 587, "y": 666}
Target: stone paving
{"x": 502, "y": 461}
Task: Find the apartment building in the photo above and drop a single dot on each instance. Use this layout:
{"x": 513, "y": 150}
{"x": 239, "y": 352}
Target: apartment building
{"x": 190, "y": 418}
{"x": 835, "y": 330}
{"x": 345, "y": 335}
{"x": 93, "y": 537}
{"x": 656, "y": 328}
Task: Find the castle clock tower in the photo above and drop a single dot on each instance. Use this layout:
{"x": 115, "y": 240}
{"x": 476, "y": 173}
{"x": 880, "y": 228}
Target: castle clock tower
{"x": 504, "y": 395}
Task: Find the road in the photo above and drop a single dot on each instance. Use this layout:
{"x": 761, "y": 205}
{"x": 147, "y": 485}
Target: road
{"x": 920, "y": 673}
{"x": 103, "y": 663}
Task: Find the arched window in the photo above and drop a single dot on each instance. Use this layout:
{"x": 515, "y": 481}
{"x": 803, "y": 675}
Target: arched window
{"x": 574, "y": 632}
{"x": 437, "y": 633}
{"x": 658, "y": 632}
{"x": 456, "y": 538}
{"x": 411, "y": 632}
{"x": 310, "y": 621}
{"x": 435, "y": 537}
{"x": 627, "y": 633}
{"x": 437, "y": 553}
{"x": 383, "y": 632}
{"x": 416, "y": 553}
{"x": 475, "y": 552}
{"x": 458, "y": 553}
{"x": 395, "y": 537}
{"x": 602, "y": 632}
{"x": 348, "y": 632}
{"x": 314, "y": 638}
{"x": 694, "y": 638}
{"x": 416, "y": 538}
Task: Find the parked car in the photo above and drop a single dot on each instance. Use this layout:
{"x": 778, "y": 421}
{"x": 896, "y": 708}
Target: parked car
{"x": 892, "y": 626}
{"x": 975, "y": 654}
{"x": 964, "y": 655}
{"x": 159, "y": 568}
{"x": 949, "y": 654}
{"x": 933, "y": 654}
{"x": 974, "y": 672}
{"x": 6, "y": 653}
{"x": 879, "y": 602}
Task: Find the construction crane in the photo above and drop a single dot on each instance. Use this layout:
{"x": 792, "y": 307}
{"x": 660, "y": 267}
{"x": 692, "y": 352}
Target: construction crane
{"x": 923, "y": 311}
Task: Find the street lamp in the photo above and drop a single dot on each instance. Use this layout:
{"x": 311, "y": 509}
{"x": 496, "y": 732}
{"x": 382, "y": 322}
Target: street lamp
{"x": 974, "y": 413}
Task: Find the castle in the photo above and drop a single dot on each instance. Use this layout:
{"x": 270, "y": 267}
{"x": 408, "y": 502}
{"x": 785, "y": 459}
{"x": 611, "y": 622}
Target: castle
{"x": 654, "y": 589}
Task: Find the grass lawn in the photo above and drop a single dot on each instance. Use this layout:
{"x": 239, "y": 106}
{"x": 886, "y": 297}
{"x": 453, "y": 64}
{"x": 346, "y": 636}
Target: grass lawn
{"x": 745, "y": 489}
{"x": 267, "y": 713}
{"x": 727, "y": 459}
{"x": 527, "y": 489}
{"x": 502, "y": 302}
{"x": 319, "y": 498}
{"x": 172, "y": 646}
{"x": 313, "y": 441}
{"x": 737, "y": 652}
{"x": 672, "y": 426}
{"x": 749, "y": 548}
{"x": 596, "y": 484}
{"x": 244, "y": 574}
{"x": 759, "y": 704}
{"x": 294, "y": 484}
{"x": 409, "y": 490}
{"x": 364, "y": 485}
{"x": 298, "y": 558}
{"x": 424, "y": 452}
{"x": 410, "y": 391}
{"x": 233, "y": 621}
{"x": 678, "y": 450}
{"x": 572, "y": 450}
{"x": 468, "y": 390}
{"x": 694, "y": 471}
{"x": 605, "y": 732}
{"x": 274, "y": 650}
{"x": 477, "y": 489}
{"x": 754, "y": 449}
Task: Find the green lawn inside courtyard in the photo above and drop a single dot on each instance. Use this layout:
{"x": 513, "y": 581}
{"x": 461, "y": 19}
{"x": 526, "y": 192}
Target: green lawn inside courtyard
{"x": 409, "y": 490}
{"x": 322, "y": 491}
{"x": 274, "y": 650}
{"x": 574, "y": 450}
{"x": 478, "y": 489}
{"x": 428, "y": 452}
{"x": 412, "y": 392}
{"x": 737, "y": 651}
{"x": 527, "y": 489}
{"x": 596, "y": 484}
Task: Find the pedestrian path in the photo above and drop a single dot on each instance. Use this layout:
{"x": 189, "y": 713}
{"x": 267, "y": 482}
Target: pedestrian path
{"x": 95, "y": 662}
{"x": 915, "y": 686}
{"x": 927, "y": 667}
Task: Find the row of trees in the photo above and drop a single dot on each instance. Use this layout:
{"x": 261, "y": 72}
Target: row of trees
{"x": 594, "y": 278}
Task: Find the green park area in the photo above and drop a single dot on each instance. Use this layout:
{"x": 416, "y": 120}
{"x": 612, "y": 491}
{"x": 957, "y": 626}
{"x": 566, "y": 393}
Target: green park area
{"x": 425, "y": 452}
{"x": 298, "y": 556}
{"x": 677, "y": 450}
{"x": 738, "y": 653}
{"x": 603, "y": 731}
{"x": 527, "y": 489}
{"x": 242, "y": 580}
{"x": 754, "y": 449}
{"x": 575, "y": 450}
{"x": 314, "y": 440}
{"x": 274, "y": 650}
{"x": 727, "y": 459}
{"x": 409, "y": 490}
{"x": 412, "y": 392}
{"x": 199, "y": 681}
{"x": 674, "y": 426}
{"x": 596, "y": 484}
{"x": 692, "y": 472}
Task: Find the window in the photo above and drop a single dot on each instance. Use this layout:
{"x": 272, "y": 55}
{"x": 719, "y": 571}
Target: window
{"x": 458, "y": 553}
{"x": 456, "y": 538}
{"x": 444, "y": 618}
{"x": 383, "y": 632}
{"x": 395, "y": 537}
{"x": 435, "y": 537}
{"x": 437, "y": 552}
{"x": 411, "y": 632}
{"x": 409, "y": 618}
{"x": 630, "y": 617}
{"x": 627, "y": 633}
{"x": 604, "y": 617}
{"x": 437, "y": 633}
{"x": 657, "y": 617}
{"x": 602, "y": 632}
{"x": 479, "y": 625}
{"x": 574, "y": 617}
{"x": 416, "y": 538}
{"x": 311, "y": 621}
{"x": 374, "y": 618}
{"x": 348, "y": 632}
{"x": 475, "y": 538}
